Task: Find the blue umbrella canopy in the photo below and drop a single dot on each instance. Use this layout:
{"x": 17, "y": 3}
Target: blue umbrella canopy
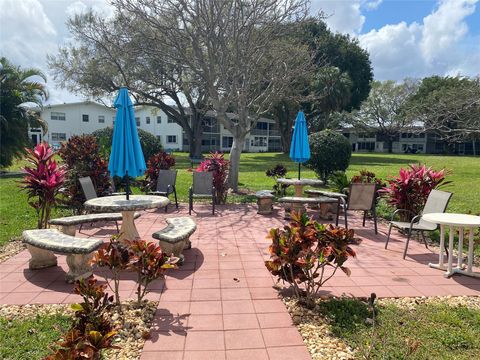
{"x": 300, "y": 148}
{"x": 126, "y": 157}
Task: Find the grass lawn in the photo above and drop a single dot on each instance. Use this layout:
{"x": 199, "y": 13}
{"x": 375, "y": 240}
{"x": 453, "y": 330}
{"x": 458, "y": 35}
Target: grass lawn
{"x": 424, "y": 331}
{"x": 16, "y": 215}
{"x": 28, "y": 339}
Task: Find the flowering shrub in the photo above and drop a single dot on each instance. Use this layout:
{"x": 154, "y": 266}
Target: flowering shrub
{"x": 216, "y": 162}
{"x": 368, "y": 177}
{"x": 150, "y": 263}
{"x": 301, "y": 252}
{"x": 411, "y": 188}
{"x": 91, "y": 331}
{"x": 159, "y": 161}
{"x": 42, "y": 181}
{"x": 81, "y": 156}
{"x": 117, "y": 257}
{"x": 279, "y": 171}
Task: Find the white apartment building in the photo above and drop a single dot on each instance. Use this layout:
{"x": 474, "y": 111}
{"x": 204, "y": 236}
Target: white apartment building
{"x": 66, "y": 120}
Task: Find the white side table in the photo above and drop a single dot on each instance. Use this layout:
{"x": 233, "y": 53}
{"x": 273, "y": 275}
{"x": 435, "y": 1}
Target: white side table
{"x": 462, "y": 222}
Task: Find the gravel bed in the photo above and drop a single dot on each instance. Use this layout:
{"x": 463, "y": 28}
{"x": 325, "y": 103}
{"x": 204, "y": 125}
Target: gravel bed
{"x": 322, "y": 344}
{"x": 10, "y": 249}
{"x": 14, "y": 312}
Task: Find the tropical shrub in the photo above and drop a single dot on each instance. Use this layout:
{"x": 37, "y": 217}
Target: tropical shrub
{"x": 410, "y": 190}
{"x": 159, "y": 161}
{"x": 330, "y": 151}
{"x": 117, "y": 257}
{"x": 81, "y": 156}
{"x": 150, "y": 263}
{"x": 42, "y": 181}
{"x": 338, "y": 181}
{"x": 149, "y": 142}
{"x": 216, "y": 163}
{"x": 301, "y": 252}
{"x": 91, "y": 331}
{"x": 367, "y": 177}
{"x": 278, "y": 171}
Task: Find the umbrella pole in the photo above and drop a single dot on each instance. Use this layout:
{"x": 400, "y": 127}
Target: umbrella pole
{"x": 128, "y": 186}
{"x": 298, "y": 171}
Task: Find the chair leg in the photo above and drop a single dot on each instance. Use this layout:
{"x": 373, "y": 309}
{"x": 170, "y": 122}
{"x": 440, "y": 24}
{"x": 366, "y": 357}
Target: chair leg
{"x": 81, "y": 225}
{"x": 374, "y": 213}
{"x": 116, "y": 224}
{"x": 346, "y": 220}
{"x": 388, "y": 235}
{"x": 176, "y": 201}
{"x": 338, "y": 213}
{"x": 364, "y": 217}
{"x": 213, "y": 206}
{"x": 424, "y": 239}
{"x": 406, "y": 244}
{"x": 190, "y": 206}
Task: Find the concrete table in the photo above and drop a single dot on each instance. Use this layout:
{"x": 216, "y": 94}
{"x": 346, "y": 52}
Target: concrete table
{"x": 119, "y": 203}
{"x": 299, "y": 184}
{"x": 462, "y": 222}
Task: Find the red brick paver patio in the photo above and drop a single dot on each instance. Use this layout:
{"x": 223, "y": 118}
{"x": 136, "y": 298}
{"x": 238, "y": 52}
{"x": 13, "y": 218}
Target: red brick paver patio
{"x": 221, "y": 304}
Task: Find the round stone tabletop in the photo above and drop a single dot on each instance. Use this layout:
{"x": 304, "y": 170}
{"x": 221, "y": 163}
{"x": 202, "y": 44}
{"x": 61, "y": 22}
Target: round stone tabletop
{"x": 120, "y": 203}
{"x": 304, "y": 182}
{"x": 452, "y": 219}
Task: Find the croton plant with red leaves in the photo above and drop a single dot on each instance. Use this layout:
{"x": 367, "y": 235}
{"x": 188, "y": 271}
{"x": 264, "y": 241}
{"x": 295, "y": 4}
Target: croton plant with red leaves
{"x": 42, "y": 182}
{"x": 217, "y": 163}
{"x": 410, "y": 190}
{"x": 302, "y": 251}
{"x": 159, "y": 161}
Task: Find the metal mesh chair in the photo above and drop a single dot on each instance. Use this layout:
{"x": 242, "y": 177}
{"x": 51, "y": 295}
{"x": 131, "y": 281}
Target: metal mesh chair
{"x": 361, "y": 197}
{"x": 88, "y": 188}
{"x": 166, "y": 185}
{"x": 202, "y": 187}
{"x": 437, "y": 202}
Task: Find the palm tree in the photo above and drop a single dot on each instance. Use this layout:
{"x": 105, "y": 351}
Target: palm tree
{"x": 19, "y": 89}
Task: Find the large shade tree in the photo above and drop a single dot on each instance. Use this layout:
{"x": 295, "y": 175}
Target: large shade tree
{"x": 120, "y": 51}
{"x": 242, "y": 56}
{"x": 20, "y": 89}
{"x": 384, "y": 110}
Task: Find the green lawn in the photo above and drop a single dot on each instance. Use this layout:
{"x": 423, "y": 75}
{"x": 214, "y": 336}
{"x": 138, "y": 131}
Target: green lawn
{"x": 16, "y": 215}
{"x": 29, "y": 339}
{"x": 424, "y": 331}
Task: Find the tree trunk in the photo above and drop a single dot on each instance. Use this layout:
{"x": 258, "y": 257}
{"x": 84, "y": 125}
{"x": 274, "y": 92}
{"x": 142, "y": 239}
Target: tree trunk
{"x": 194, "y": 135}
{"x": 235, "y": 153}
{"x": 390, "y": 145}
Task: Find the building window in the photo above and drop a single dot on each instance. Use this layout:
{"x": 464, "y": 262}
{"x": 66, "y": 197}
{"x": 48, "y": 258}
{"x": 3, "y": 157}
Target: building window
{"x": 262, "y": 125}
{"x": 137, "y": 121}
{"x": 170, "y": 120}
{"x": 367, "y": 145}
{"x": 85, "y": 118}
{"x": 260, "y": 141}
{"x": 159, "y": 119}
{"x": 171, "y": 139}
{"x": 159, "y": 137}
{"x": 101, "y": 119}
{"x": 227, "y": 141}
{"x": 147, "y": 120}
{"x": 57, "y": 116}
{"x": 59, "y": 136}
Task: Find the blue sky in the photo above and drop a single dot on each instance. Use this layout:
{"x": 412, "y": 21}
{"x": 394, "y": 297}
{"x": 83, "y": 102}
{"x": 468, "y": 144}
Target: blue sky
{"x": 405, "y": 38}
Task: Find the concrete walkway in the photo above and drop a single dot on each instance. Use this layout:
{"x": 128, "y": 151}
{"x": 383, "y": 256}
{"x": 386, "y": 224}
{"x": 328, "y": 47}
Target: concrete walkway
{"x": 221, "y": 304}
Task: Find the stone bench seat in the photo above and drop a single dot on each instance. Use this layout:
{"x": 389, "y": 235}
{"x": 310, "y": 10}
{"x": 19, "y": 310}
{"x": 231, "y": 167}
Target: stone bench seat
{"x": 307, "y": 200}
{"x": 43, "y": 243}
{"x": 316, "y": 192}
{"x": 175, "y": 236}
{"x": 264, "y": 201}
{"x": 68, "y": 223}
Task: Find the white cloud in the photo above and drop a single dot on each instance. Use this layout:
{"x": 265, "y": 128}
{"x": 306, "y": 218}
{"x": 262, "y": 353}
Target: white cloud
{"x": 372, "y": 4}
{"x": 342, "y": 16}
{"x": 434, "y": 47}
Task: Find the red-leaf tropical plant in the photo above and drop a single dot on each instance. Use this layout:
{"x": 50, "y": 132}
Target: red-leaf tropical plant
{"x": 367, "y": 177}
{"x": 159, "y": 161}
{"x": 117, "y": 257}
{"x": 91, "y": 331}
{"x": 216, "y": 163}
{"x": 81, "y": 155}
{"x": 278, "y": 171}
{"x": 302, "y": 251}
{"x": 42, "y": 182}
{"x": 150, "y": 263}
{"x": 409, "y": 191}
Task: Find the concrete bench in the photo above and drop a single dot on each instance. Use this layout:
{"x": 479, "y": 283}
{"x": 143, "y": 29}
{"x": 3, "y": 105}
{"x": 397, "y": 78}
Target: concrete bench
{"x": 176, "y": 236}
{"x": 67, "y": 224}
{"x": 43, "y": 243}
{"x": 264, "y": 201}
{"x": 297, "y": 203}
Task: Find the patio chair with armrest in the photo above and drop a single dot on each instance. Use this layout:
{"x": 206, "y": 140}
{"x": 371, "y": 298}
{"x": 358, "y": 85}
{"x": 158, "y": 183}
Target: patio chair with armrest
{"x": 361, "y": 197}
{"x": 437, "y": 202}
{"x": 166, "y": 185}
{"x": 202, "y": 188}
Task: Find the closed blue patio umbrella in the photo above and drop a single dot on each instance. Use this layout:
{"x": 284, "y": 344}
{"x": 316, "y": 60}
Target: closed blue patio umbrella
{"x": 300, "y": 148}
{"x": 126, "y": 157}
